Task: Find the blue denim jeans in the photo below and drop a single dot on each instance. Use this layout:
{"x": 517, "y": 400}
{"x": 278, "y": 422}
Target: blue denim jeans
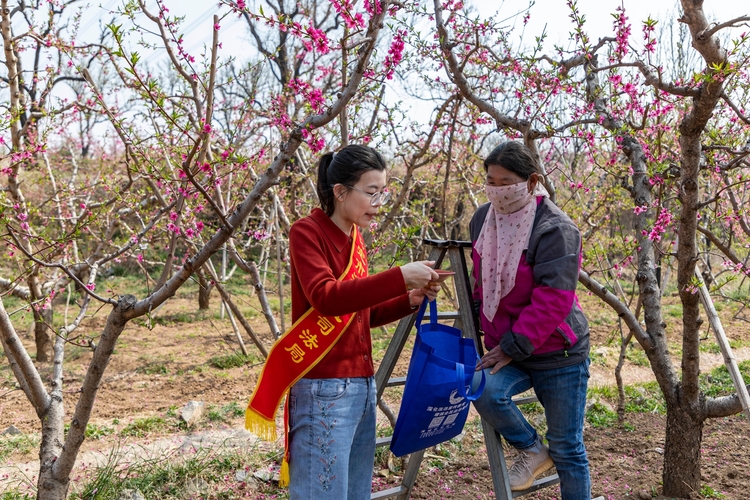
{"x": 331, "y": 438}
{"x": 562, "y": 392}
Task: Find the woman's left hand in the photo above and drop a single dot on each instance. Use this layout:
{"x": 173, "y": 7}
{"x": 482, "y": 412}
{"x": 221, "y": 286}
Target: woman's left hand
{"x": 417, "y": 296}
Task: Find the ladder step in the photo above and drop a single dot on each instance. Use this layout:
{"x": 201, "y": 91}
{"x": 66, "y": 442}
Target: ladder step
{"x": 391, "y": 492}
{"x": 526, "y": 400}
{"x": 382, "y": 441}
{"x": 538, "y": 485}
{"x": 448, "y": 315}
{"x": 395, "y": 381}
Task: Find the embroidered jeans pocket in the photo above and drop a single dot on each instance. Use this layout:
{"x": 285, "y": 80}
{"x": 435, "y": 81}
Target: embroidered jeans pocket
{"x": 330, "y": 388}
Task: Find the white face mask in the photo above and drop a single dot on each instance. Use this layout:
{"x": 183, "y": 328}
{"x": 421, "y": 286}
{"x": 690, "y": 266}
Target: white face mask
{"x": 509, "y": 199}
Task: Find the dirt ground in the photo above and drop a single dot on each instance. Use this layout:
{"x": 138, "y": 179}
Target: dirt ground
{"x": 156, "y": 371}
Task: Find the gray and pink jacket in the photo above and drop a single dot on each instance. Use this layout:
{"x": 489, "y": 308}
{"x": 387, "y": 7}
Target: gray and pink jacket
{"x": 539, "y": 324}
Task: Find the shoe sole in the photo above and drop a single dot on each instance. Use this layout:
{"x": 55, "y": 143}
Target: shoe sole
{"x": 541, "y": 469}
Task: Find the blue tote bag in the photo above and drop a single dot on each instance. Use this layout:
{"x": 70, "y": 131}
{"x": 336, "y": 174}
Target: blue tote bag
{"x": 438, "y": 386}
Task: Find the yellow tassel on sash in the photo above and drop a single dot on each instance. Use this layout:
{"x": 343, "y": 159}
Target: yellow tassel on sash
{"x": 258, "y": 425}
{"x": 284, "y": 474}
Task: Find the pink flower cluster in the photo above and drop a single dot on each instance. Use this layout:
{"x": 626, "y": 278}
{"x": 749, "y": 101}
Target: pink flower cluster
{"x": 648, "y": 36}
{"x": 313, "y": 39}
{"x": 662, "y": 224}
{"x": 316, "y": 143}
{"x": 373, "y": 7}
{"x": 395, "y": 54}
{"x": 345, "y": 9}
{"x": 622, "y": 32}
{"x": 259, "y": 234}
{"x": 311, "y": 95}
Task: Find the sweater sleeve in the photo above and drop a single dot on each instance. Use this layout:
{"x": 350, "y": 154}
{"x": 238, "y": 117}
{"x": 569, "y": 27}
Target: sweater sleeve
{"x": 325, "y": 293}
{"x": 390, "y": 311}
{"x": 555, "y": 269}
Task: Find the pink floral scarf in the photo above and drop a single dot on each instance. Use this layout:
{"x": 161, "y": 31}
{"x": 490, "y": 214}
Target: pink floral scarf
{"x": 503, "y": 238}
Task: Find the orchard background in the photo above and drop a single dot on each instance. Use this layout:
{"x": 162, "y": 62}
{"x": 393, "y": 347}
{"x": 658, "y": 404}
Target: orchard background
{"x": 135, "y": 184}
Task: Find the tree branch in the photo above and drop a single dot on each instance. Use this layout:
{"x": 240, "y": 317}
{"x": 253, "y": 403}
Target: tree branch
{"x": 22, "y": 365}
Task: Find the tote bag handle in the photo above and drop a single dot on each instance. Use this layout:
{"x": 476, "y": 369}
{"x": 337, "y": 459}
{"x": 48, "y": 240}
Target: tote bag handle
{"x": 433, "y": 313}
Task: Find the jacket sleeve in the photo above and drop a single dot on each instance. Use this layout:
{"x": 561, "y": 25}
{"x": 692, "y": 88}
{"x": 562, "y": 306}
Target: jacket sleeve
{"x": 325, "y": 293}
{"x": 555, "y": 266}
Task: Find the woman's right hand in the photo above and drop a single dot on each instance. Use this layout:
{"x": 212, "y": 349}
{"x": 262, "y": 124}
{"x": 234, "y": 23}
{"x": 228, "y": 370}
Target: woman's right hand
{"x": 495, "y": 358}
{"x": 419, "y": 274}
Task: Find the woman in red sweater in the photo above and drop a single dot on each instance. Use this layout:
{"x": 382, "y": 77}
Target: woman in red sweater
{"x": 332, "y": 408}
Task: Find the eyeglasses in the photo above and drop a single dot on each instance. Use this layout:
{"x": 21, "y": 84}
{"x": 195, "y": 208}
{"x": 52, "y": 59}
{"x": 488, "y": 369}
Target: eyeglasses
{"x": 377, "y": 198}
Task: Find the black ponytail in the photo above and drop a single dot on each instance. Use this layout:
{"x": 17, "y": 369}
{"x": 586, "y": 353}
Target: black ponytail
{"x": 344, "y": 167}
{"x": 323, "y": 187}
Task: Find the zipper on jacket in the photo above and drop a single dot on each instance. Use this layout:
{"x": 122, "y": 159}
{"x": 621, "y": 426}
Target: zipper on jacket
{"x": 565, "y": 338}
{"x": 567, "y": 342}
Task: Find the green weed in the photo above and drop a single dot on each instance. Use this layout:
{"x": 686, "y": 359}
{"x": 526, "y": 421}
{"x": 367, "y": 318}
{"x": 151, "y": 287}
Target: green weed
{"x": 709, "y": 346}
{"x": 74, "y": 352}
{"x": 644, "y": 398}
{"x": 608, "y": 392}
{"x": 214, "y": 414}
{"x": 600, "y": 416}
{"x": 22, "y": 443}
{"x": 207, "y": 474}
{"x": 719, "y": 382}
{"x": 636, "y": 356}
{"x": 709, "y": 492}
{"x": 598, "y": 358}
{"x": 143, "y": 426}
{"x": 604, "y": 318}
{"x": 673, "y": 310}
{"x": 233, "y": 409}
{"x": 233, "y": 360}
{"x": 154, "y": 369}
{"x": 14, "y": 494}
{"x": 98, "y": 432}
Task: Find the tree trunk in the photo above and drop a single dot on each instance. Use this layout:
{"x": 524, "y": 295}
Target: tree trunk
{"x": 49, "y": 486}
{"x": 682, "y": 453}
{"x": 204, "y": 291}
{"x": 42, "y": 334}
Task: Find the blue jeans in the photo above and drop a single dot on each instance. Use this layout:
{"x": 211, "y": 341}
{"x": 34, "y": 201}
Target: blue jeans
{"x": 331, "y": 438}
{"x": 562, "y": 393}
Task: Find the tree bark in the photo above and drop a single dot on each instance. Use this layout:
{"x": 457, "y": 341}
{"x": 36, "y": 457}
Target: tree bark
{"x": 682, "y": 457}
{"x": 204, "y": 291}
{"x": 53, "y": 434}
{"x": 42, "y": 336}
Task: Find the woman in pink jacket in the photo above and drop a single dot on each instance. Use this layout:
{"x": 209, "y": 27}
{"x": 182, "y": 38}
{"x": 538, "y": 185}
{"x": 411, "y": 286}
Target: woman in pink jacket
{"x": 526, "y": 255}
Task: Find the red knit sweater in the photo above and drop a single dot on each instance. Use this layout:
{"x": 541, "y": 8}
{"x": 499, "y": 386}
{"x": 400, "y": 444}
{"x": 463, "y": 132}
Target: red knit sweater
{"x": 319, "y": 253}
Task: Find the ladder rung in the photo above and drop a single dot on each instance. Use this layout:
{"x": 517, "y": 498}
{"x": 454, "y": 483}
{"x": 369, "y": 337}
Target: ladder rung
{"x": 391, "y": 492}
{"x": 395, "y": 381}
{"x": 526, "y": 400}
{"x": 448, "y": 315}
{"x": 447, "y": 243}
{"x": 382, "y": 441}
{"x": 538, "y": 485}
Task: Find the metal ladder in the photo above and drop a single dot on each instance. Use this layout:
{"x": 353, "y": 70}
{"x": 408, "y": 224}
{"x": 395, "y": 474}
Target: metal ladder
{"x": 464, "y": 319}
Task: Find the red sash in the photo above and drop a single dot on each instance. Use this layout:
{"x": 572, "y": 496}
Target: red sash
{"x": 295, "y": 353}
